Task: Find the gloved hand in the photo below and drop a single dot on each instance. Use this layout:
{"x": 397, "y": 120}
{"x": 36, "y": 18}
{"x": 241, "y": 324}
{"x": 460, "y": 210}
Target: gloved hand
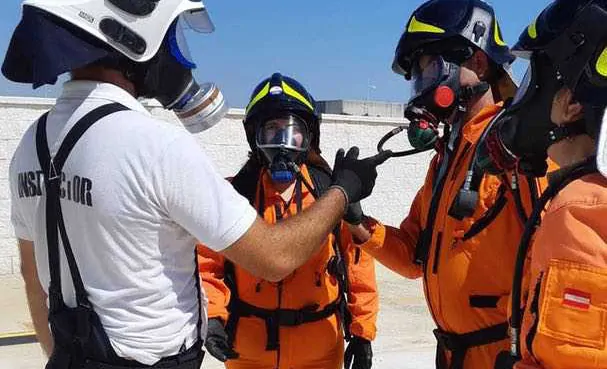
{"x": 359, "y": 354}
{"x": 356, "y": 177}
{"x": 217, "y": 341}
{"x": 354, "y": 214}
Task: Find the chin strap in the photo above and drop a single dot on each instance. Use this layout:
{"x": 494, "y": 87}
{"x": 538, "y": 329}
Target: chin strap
{"x": 468, "y": 92}
{"x": 559, "y": 133}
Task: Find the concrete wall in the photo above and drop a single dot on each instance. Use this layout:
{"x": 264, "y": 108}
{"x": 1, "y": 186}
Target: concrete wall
{"x": 363, "y": 108}
{"x": 226, "y": 144}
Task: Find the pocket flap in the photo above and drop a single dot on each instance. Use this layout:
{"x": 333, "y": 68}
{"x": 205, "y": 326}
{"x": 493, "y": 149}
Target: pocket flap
{"x": 574, "y": 304}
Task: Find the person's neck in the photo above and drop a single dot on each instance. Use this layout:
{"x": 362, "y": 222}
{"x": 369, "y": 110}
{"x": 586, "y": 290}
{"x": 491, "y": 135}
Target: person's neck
{"x": 106, "y": 75}
{"x": 478, "y": 104}
{"x": 572, "y": 151}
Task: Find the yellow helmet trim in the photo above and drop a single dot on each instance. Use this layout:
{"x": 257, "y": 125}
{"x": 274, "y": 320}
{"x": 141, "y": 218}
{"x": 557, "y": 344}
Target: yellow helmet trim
{"x": 292, "y": 92}
{"x": 497, "y": 35}
{"x": 601, "y": 63}
{"x": 417, "y": 26}
{"x": 260, "y": 95}
{"x": 532, "y": 30}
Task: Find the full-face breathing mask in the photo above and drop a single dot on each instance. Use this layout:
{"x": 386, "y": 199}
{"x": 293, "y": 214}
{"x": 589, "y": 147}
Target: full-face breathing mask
{"x": 168, "y": 78}
{"x": 437, "y": 97}
{"x": 284, "y": 143}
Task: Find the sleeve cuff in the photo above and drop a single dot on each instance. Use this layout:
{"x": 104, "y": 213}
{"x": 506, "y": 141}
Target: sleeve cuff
{"x": 240, "y": 227}
{"x": 367, "y": 331}
{"x": 378, "y": 235}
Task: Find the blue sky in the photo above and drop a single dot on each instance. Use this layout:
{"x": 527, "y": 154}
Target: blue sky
{"x": 334, "y": 47}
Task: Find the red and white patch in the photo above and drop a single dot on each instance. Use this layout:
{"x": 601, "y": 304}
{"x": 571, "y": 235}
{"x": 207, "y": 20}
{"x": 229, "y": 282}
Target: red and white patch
{"x": 576, "y": 298}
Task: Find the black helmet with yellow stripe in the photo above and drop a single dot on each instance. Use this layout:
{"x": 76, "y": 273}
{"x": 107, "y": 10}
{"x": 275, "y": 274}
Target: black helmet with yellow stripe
{"x": 457, "y": 27}
{"x": 277, "y": 96}
{"x": 571, "y": 36}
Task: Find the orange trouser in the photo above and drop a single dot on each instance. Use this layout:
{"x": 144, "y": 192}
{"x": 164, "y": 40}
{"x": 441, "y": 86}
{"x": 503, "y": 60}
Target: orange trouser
{"x": 313, "y": 345}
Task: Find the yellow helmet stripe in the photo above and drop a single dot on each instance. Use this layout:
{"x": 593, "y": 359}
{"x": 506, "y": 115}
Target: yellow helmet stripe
{"x": 292, "y": 92}
{"x": 601, "y": 63}
{"x": 260, "y": 95}
{"x": 497, "y": 35}
{"x": 417, "y": 26}
{"x": 532, "y": 30}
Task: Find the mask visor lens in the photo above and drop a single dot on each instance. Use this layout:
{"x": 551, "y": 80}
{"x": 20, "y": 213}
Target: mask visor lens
{"x": 524, "y": 91}
{"x": 426, "y": 74}
{"x": 285, "y": 133}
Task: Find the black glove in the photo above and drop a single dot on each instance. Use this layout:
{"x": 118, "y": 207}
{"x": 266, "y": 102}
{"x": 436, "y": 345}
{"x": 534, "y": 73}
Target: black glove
{"x": 217, "y": 341}
{"x": 354, "y": 214}
{"x": 358, "y": 354}
{"x": 356, "y": 177}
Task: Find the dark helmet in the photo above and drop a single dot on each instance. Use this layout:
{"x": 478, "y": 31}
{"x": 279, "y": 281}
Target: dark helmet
{"x": 282, "y": 95}
{"x": 458, "y": 26}
{"x": 572, "y": 37}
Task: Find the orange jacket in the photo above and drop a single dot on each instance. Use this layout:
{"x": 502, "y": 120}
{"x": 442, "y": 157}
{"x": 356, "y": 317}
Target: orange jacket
{"x": 316, "y": 344}
{"x": 467, "y": 280}
{"x": 565, "y": 320}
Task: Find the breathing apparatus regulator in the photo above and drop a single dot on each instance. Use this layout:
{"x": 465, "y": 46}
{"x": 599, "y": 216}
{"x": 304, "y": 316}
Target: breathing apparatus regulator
{"x": 144, "y": 39}
{"x": 437, "y": 100}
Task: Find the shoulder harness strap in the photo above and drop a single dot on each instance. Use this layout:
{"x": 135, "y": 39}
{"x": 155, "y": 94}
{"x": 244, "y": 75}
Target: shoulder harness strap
{"x": 246, "y": 183}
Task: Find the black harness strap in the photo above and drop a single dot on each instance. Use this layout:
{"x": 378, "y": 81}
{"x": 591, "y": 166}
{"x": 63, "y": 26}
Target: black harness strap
{"x": 245, "y": 182}
{"x": 275, "y": 318}
{"x": 79, "y": 337}
{"x": 52, "y": 167}
{"x": 559, "y": 181}
{"x": 459, "y": 344}
{"x": 489, "y": 216}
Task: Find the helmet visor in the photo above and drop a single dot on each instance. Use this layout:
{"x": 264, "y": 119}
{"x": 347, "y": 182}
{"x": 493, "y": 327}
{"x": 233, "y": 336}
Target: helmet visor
{"x": 178, "y": 45}
{"x": 427, "y": 73}
{"x": 288, "y": 132}
{"x": 198, "y": 19}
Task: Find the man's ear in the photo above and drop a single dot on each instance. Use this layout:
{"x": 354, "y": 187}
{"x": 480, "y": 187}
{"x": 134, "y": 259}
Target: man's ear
{"x": 574, "y": 111}
{"x": 479, "y": 63}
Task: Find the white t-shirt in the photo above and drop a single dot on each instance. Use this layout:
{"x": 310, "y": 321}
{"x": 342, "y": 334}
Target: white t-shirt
{"x": 136, "y": 194}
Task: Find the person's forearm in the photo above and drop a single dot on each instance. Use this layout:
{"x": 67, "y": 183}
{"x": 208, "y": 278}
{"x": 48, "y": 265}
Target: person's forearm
{"x": 36, "y": 300}
{"x": 36, "y": 297}
{"x": 297, "y": 238}
{"x": 273, "y": 251}
{"x": 392, "y": 247}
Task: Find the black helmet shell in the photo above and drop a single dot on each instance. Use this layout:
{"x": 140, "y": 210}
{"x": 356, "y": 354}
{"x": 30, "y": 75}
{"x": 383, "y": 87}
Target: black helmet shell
{"x": 444, "y": 24}
{"x": 279, "y": 95}
{"x": 572, "y": 34}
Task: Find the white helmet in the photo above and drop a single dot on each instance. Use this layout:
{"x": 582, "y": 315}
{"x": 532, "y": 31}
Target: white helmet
{"x": 601, "y": 157}
{"x": 136, "y": 28}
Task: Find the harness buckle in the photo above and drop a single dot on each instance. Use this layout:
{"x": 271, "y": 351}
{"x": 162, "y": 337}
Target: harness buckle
{"x": 52, "y": 172}
{"x": 290, "y": 318}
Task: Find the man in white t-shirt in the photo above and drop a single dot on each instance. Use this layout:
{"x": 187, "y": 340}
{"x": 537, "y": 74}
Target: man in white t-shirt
{"x": 135, "y": 192}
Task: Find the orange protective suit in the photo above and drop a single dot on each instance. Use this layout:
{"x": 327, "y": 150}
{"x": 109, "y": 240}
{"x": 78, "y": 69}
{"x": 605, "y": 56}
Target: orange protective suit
{"x": 318, "y": 344}
{"x": 469, "y": 270}
{"x": 565, "y": 320}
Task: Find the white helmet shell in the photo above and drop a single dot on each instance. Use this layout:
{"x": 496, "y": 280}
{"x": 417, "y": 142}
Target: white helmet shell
{"x": 601, "y": 157}
{"x": 136, "y": 36}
